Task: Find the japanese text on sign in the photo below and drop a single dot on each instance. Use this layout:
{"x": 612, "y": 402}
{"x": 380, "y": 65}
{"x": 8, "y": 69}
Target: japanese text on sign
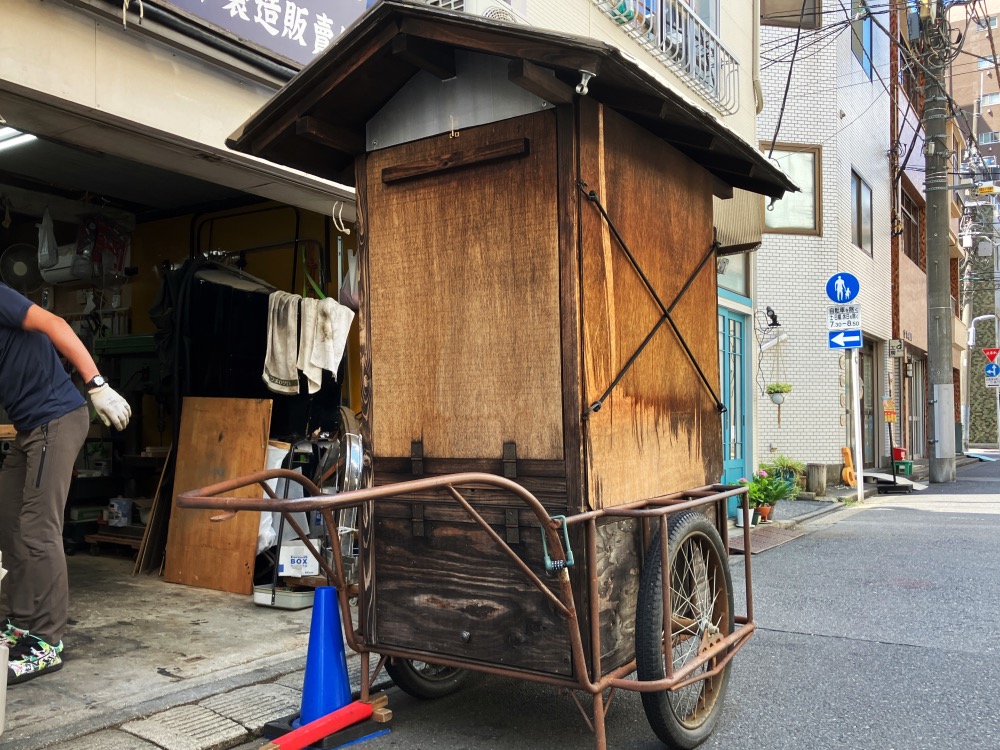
{"x": 297, "y": 29}
{"x": 843, "y": 317}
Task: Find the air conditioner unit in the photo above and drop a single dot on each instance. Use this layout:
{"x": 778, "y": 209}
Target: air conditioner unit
{"x": 495, "y": 10}
{"x": 63, "y": 271}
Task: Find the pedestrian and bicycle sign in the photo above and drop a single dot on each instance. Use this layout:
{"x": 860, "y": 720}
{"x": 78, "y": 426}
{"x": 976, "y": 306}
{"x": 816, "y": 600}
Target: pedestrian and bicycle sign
{"x": 843, "y": 319}
{"x": 844, "y": 339}
{"x": 843, "y": 287}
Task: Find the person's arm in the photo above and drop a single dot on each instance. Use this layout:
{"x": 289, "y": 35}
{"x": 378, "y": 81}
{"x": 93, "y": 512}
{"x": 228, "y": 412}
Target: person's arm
{"x": 63, "y": 338}
{"x": 109, "y": 405}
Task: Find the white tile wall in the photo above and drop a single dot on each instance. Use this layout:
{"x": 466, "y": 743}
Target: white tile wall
{"x": 831, "y": 103}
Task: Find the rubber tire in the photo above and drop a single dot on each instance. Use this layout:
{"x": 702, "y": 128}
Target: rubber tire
{"x": 649, "y": 632}
{"x": 412, "y": 682}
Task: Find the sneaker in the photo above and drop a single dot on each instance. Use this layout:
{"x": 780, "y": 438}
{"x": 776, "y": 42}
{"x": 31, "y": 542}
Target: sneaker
{"x": 10, "y": 633}
{"x": 30, "y": 658}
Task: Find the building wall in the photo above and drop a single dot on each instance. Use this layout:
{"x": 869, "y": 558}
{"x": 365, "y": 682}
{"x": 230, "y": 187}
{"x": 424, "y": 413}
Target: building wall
{"x": 847, "y": 115}
{"x": 736, "y": 23}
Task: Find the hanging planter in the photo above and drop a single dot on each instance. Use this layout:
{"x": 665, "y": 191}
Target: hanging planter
{"x": 777, "y": 398}
{"x": 777, "y": 393}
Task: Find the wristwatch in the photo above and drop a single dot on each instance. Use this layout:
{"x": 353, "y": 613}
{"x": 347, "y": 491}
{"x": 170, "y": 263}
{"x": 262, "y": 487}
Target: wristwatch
{"x": 96, "y": 382}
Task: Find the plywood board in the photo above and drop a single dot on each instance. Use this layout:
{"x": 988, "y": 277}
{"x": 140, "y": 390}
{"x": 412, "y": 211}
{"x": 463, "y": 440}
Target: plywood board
{"x": 462, "y": 294}
{"x": 659, "y": 431}
{"x": 152, "y": 548}
{"x": 220, "y": 438}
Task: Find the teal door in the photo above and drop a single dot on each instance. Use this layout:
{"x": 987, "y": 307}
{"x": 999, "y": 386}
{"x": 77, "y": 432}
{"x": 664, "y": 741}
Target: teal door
{"x": 732, "y": 371}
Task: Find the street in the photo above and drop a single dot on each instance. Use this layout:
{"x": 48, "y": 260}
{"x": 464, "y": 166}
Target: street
{"x": 877, "y": 631}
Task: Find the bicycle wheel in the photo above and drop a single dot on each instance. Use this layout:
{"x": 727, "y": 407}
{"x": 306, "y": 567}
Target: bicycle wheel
{"x": 701, "y": 601}
{"x": 423, "y": 680}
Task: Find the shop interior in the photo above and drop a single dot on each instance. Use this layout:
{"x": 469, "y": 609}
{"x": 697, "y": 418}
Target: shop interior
{"x": 166, "y": 278}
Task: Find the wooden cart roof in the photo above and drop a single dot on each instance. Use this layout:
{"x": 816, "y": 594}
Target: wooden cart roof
{"x": 316, "y": 123}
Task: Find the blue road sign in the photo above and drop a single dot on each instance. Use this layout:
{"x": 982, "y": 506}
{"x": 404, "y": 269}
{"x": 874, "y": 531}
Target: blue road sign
{"x": 992, "y": 370}
{"x": 846, "y": 339}
{"x": 843, "y": 287}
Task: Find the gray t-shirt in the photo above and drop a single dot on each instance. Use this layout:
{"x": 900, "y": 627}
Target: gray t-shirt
{"x": 34, "y": 386}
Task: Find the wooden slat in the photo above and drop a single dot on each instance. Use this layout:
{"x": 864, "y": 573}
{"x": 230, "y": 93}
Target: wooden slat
{"x": 464, "y": 300}
{"x": 436, "y": 59}
{"x": 339, "y": 139}
{"x": 455, "y": 580}
{"x": 7, "y": 432}
{"x": 448, "y": 162}
{"x": 219, "y": 439}
{"x": 659, "y": 431}
{"x": 153, "y": 540}
{"x": 539, "y": 81}
{"x": 526, "y": 467}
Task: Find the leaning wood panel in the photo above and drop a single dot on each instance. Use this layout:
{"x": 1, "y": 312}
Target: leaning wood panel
{"x": 446, "y": 588}
{"x": 220, "y": 438}
{"x": 659, "y": 431}
{"x": 463, "y": 309}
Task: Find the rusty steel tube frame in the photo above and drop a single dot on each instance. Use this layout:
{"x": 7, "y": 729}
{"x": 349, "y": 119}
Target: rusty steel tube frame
{"x": 594, "y": 682}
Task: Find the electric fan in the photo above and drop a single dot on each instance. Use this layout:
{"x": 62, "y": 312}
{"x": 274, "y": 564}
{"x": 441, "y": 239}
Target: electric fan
{"x": 19, "y": 268}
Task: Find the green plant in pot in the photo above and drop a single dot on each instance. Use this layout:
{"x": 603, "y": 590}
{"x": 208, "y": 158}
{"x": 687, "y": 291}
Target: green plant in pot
{"x": 786, "y": 468}
{"x": 764, "y": 489}
{"x": 777, "y": 391}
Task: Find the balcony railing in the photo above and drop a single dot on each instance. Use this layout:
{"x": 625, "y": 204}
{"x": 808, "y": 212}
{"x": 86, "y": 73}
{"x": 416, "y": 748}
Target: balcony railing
{"x": 674, "y": 34}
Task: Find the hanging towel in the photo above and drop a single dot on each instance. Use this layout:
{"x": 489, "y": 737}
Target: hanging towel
{"x": 280, "y": 373}
{"x": 333, "y": 322}
{"x": 307, "y": 337}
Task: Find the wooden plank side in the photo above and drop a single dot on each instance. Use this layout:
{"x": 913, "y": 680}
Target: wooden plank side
{"x": 464, "y": 299}
{"x": 220, "y": 438}
{"x": 618, "y": 568}
{"x": 659, "y": 431}
{"x": 452, "y": 591}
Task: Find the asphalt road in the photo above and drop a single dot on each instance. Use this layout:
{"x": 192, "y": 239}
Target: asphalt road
{"x": 878, "y": 630}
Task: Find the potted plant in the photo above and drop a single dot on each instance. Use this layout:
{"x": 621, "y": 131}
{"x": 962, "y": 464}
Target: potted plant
{"x": 786, "y": 468}
{"x": 765, "y": 489}
{"x": 777, "y": 391}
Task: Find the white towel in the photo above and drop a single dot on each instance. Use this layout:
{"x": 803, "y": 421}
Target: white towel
{"x": 307, "y": 327}
{"x": 333, "y": 323}
{"x": 280, "y": 372}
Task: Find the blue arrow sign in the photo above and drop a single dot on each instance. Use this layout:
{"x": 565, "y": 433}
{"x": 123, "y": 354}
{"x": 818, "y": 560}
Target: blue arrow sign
{"x": 847, "y": 340}
{"x": 992, "y": 370}
{"x": 843, "y": 287}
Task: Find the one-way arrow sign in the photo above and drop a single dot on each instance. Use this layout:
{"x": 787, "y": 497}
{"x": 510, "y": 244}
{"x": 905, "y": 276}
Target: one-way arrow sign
{"x": 844, "y": 339}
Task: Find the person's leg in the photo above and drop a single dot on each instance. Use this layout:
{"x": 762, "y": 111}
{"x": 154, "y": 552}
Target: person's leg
{"x": 42, "y": 596}
{"x": 12, "y": 477}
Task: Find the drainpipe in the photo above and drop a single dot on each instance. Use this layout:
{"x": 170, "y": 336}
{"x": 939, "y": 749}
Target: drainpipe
{"x": 758, "y": 92}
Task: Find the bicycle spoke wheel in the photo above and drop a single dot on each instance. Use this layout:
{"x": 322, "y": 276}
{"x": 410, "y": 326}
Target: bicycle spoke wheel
{"x": 701, "y": 603}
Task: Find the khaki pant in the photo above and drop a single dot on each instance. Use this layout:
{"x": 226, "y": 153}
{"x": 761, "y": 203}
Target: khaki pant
{"x": 34, "y": 484}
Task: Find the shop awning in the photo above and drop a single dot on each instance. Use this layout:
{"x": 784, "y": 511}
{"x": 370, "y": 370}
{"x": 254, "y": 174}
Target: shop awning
{"x": 738, "y": 222}
{"x": 317, "y": 122}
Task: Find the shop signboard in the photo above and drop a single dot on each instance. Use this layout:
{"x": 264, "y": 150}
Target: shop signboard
{"x": 297, "y": 30}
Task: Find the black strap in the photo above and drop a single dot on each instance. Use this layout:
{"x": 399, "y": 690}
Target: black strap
{"x": 665, "y": 318}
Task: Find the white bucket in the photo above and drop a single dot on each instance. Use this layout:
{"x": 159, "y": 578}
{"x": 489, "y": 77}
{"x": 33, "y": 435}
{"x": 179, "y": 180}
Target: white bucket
{"x": 740, "y": 518}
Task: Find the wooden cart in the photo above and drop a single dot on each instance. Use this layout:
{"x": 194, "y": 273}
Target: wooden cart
{"x": 540, "y": 419}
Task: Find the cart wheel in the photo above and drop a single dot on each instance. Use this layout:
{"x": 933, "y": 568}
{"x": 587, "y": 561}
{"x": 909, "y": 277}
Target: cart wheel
{"x": 701, "y": 598}
{"x": 427, "y": 681}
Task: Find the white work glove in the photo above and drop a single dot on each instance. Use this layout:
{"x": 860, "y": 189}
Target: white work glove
{"x": 110, "y": 407}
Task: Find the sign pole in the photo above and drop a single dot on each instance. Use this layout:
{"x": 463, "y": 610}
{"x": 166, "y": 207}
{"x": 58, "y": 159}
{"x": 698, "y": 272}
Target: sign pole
{"x": 856, "y": 408}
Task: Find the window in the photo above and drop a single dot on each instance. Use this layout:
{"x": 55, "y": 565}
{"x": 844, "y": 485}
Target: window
{"x": 990, "y": 136}
{"x": 707, "y": 11}
{"x": 909, "y": 79}
{"x": 861, "y": 35}
{"x": 861, "y": 213}
{"x": 991, "y": 21}
{"x": 987, "y": 62}
{"x": 788, "y": 12}
{"x": 910, "y": 215}
{"x": 796, "y": 213}
{"x": 732, "y": 271}
{"x": 989, "y": 100}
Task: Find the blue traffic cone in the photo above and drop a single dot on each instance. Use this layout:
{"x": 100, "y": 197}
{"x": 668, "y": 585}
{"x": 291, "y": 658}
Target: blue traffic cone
{"x": 327, "y": 686}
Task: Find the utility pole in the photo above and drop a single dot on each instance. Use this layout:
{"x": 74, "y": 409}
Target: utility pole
{"x": 934, "y": 51}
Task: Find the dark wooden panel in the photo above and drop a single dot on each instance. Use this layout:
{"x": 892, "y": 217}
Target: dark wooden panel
{"x": 464, "y": 299}
{"x": 459, "y": 159}
{"x": 618, "y": 568}
{"x": 453, "y": 592}
{"x": 659, "y": 431}
{"x": 525, "y": 466}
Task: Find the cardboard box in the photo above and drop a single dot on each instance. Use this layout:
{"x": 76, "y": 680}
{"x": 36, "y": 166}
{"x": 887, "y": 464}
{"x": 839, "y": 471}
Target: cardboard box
{"x": 296, "y": 561}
